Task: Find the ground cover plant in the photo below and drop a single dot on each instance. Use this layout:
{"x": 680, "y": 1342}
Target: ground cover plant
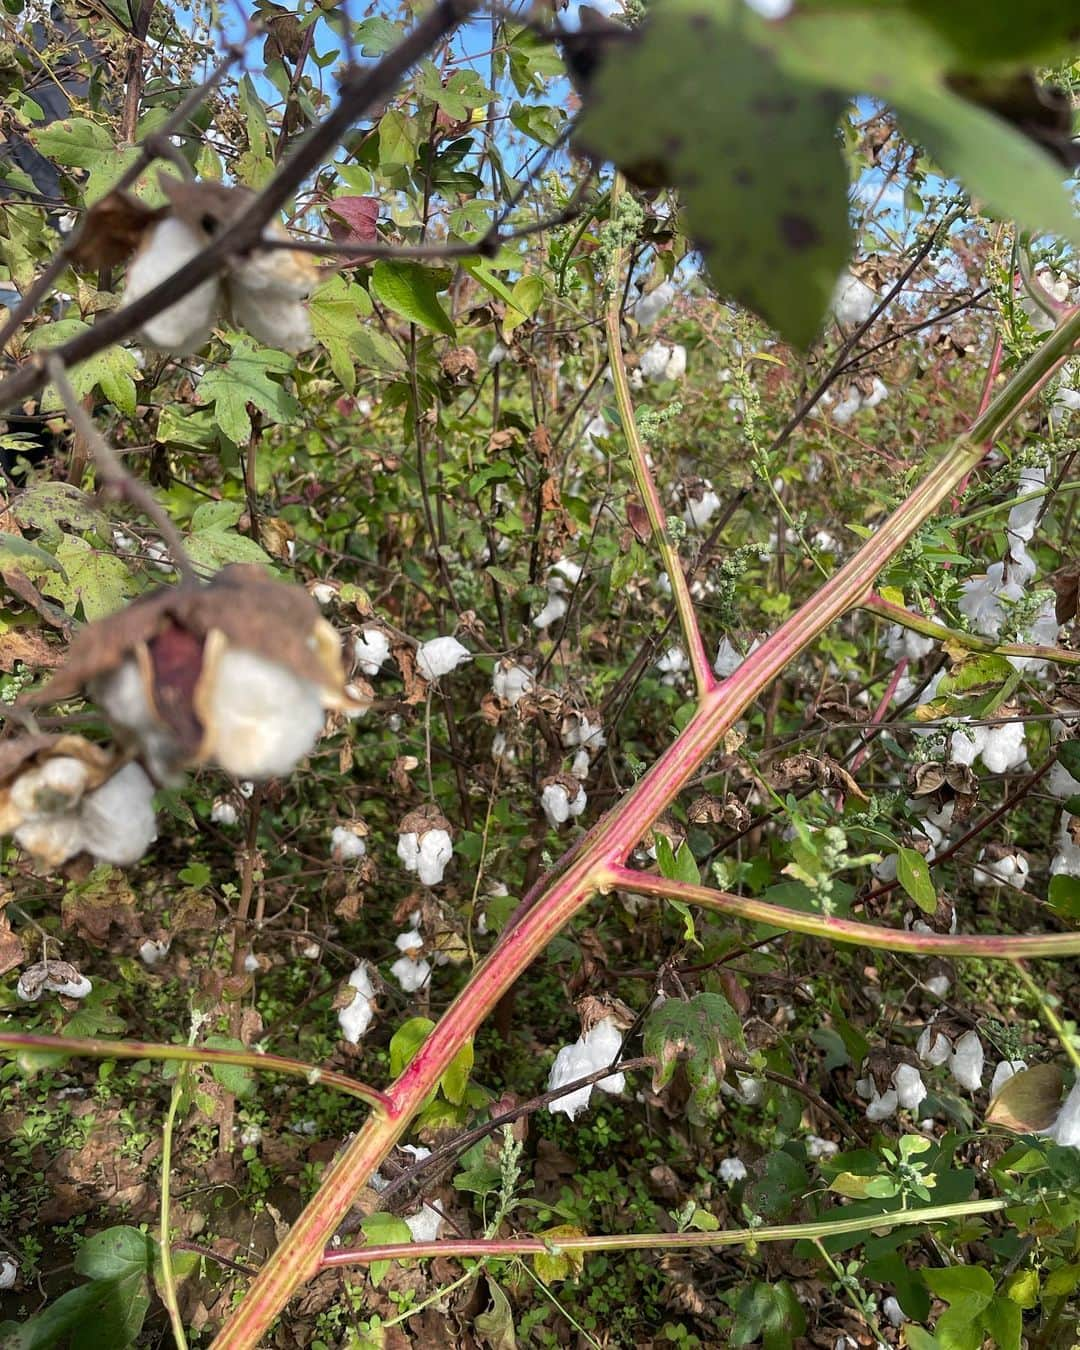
{"x": 539, "y": 781}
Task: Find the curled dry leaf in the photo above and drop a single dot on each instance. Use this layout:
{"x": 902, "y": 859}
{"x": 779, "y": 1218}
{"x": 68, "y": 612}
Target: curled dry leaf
{"x": 593, "y": 1008}
{"x": 1028, "y": 1101}
{"x": 823, "y": 772}
{"x": 112, "y": 229}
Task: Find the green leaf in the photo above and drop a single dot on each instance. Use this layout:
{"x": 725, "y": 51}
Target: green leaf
{"x": 246, "y": 378}
{"x": 775, "y": 1191}
{"x": 76, "y": 142}
{"x": 234, "y": 1078}
{"x": 700, "y": 1031}
{"x": 455, "y": 1080}
{"x": 381, "y": 1229}
{"x": 115, "y": 1254}
{"x": 1064, "y": 895}
{"x": 211, "y": 550}
{"x": 13, "y": 548}
{"x": 97, "y": 581}
{"x": 913, "y": 874}
{"x": 1068, "y": 755}
{"x": 770, "y": 1313}
{"x": 113, "y": 371}
{"x": 406, "y": 1041}
{"x": 751, "y": 148}
{"x": 968, "y": 1287}
{"x": 986, "y": 34}
{"x": 553, "y": 1266}
{"x": 338, "y": 310}
{"x": 410, "y": 290}
{"x": 399, "y": 135}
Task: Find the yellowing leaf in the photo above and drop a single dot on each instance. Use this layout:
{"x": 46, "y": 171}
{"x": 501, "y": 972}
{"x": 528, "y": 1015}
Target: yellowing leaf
{"x": 1029, "y": 1101}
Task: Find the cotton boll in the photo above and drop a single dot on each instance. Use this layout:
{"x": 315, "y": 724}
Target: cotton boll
{"x": 440, "y": 656}
{"x": 933, "y": 1047}
{"x": 261, "y": 719}
{"x": 602, "y": 1044}
{"x": 273, "y": 319}
{"x": 1066, "y": 861}
{"x": 502, "y": 752}
{"x": 355, "y": 1018}
{"x": 909, "y": 1085}
{"x": 117, "y": 820}
{"x": 751, "y": 1090}
{"x": 186, "y": 325}
{"x": 567, "y": 569}
{"x": 416, "y": 1151}
{"x": 52, "y": 840}
{"x": 648, "y": 308}
{"x": 1010, "y": 869}
{"x": 700, "y": 510}
{"x": 152, "y": 953}
{"x": 676, "y": 365}
{"x": 848, "y": 406}
{"x": 672, "y": 664}
{"x": 654, "y": 361}
{"x": 1023, "y": 516}
{"x": 251, "y": 963}
{"x": 559, "y": 805}
{"x": 966, "y": 745}
{"x": 51, "y": 977}
{"x": 902, "y": 643}
{"x": 251, "y": 1136}
{"x": 579, "y": 731}
{"x": 9, "y": 1271}
{"x": 1064, "y": 403}
{"x": 817, "y": 1148}
{"x": 1060, "y": 782}
{"x": 1066, "y": 1128}
{"x": 882, "y": 1105}
{"x": 852, "y": 301}
{"x": 572, "y": 1062}
{"x": 1008, "y": 1068}
{"x": 938, "y": 984}
{"x": 424, "y": 1225}
{"x": 346, "y": 845}
{"x": 552, "y": 612}
{"x": 122, "y": 696}
{"x": 224, "y": 812}
{"x": 436, "y": 850}
{"x": 893, "y": 1312}
{"x": 879, "y": 392}
{"x": 51, "y": 789}
{"x": 966, "y": 1064}
{"x": 371, "y": 648}
{"x": 1004, "y": 747}
{"x": 732, "y": 1170}
{"x": 511, "y": 682}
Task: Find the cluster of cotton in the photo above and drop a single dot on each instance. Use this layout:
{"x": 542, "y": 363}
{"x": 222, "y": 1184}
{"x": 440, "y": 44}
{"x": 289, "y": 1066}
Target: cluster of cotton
{"x": 347, "y": 842}
{"x": 356, "y": 1016}
{"x": 852, "y": 301}
{"x": 999, "y": 866}
{"x": 965, "y": 1059}
{"x": 702, "y": 503}
{"x": 906, "y": 1091}
{"x": 1002, "y": 748}
{"x": 52, "y": 977}
{"x": 593, "y": 1050}
{"x": 60, "y": 799}
{"x": 410, "y": 970}
{"x": 371, "y": 650}
{"x": 563, "y": 798}
{"x": 671, "y": 665}
{"x": 561, "y": 577}
{"x": 663, "y": 361}
{"x": 424, "y": 844}
{"x": 650, "y": 306}
{"x": 856, "y": 400}
{"x": 511, "y": 682}
{"x": 729, "y": 658}
{"x": 585, "y": 736}
{"x": 439, "y": 656}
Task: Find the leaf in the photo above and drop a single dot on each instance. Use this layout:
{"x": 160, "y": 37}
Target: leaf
{"x": 14, "y": 548}
{"x": 353, "y": 220}
{"x": 1064, "y": 895}
{"x": 770, "y": 1313}
{"x": 113, "y": 371}
{"x": 702, "y": 1031}
{"x": 409, "y": 290}
{"x": 552, "y": 1266}
{"x": 234, "y": 1078}
{"x": 775, "y": 1191}
{"x": 246, "y": 378}
{"x": 338, "y": 310}
{"x": 97, "y": 581}
{"x": 1028, "y": 1101}
{"x": 455, "y": 1080}
{"x": 750, "y": 147}
{"x": 115, "y": 1254}
{"x": 994, "y": 162}
{"x": 1068, "y": 755}
{"x": 76, "y": 142}
{"x": 913, "y": 874}
{"x": 968, "y": 1287}
{"x": 211, "y": 550}
{"x": 496, "y": 1325}
{"x": 406, "y": 1041}
{"x": 984, "y": 34}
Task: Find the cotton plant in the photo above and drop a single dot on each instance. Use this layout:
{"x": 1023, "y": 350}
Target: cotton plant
{"x": 441, "y": 656}
{"x": 598, "y": 1046}
{"x": 424, "y": 844}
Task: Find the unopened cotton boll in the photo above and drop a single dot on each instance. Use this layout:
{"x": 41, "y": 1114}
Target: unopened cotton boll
{"x": 186, "y": 325}
{"x": 1008, "y": 1068}
{"x": 346, "y": 845}
{"x": 852, "y": 301}
{"x": 261, "y": 718}
{"x": 117, "y": 820}
{"x": 371, "y": 648}
{"x": 439, "y": 656}
{"x": 909, "y": 1085}
{"x": 511, "y": 682}
{"x": 732, "y": 1170}
{"x": 355, "y": 1018}
{"x": 966, "y": 1064}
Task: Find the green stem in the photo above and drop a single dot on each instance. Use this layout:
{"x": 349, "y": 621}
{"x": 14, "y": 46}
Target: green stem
{"x": 1050, "y": 1014}
{"x": 168, "y": 1278}
{"x": 197, "y": 1054}
{"x": 734, "y": 1237}
{"x": 972, "y": 642}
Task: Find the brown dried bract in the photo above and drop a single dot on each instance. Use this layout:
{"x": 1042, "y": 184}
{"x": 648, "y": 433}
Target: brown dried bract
{"x": 422, "y": 819}
{"x": 28, "y": 752}
{"x": 112, "y": 229}
{"x": 823, "y": 772}
{"x": 1066, "y": 584}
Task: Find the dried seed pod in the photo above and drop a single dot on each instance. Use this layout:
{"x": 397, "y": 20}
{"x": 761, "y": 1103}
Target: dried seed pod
{"x": 236, "y": 673}
{"x": 52, "y": 977}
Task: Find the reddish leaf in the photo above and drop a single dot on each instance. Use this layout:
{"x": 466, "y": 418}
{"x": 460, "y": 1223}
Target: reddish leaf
{"x": 353, "y": 220}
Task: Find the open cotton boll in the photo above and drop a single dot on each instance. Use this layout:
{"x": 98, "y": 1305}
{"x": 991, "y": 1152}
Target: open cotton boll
{"x": 902, "y": 643}
{"x": 561, "y": 804}
{"x": 552, "y": 612}
{"x": 1064, "y": 403}
{"x": 966, "y": 1063}
{"x": 424, "y": 1225}
{"x": 355, "y": 1018}
{"x": 654, "y": 361}
{"x": 122, "y": 696}
{"x": 261, "y": 719}
{"x": 1066, "y": 1128}
{"x": 224, "y": 812}
{"x": 1024, "y": 515}
{"x": 186, "y": 325}
{"x": 894, "y": 1314}
{"x": 346, "y": 845}
{"x": 909, "y": 1085}
{"x": 938, "y": 984}
{"x": 649, "y": 307}
{"x": 732, "y": 1170}
{"x": 51, "y": 840}
{"x": 439, "y": 656}
{"x": 672, "y": 664}
{"x": 52, "y": 977}
{"x": 117, "y": 820}
{"x": 879, "y": 392}
{"x": 1004, "y": 747}
{"x": 435, "y": 851}
{"x": 852, "y": 301}
{"x": 1060, "y": 782}
{"x": 933, "y": 1047}
{"x": 1011, "y": 869}
{"x": 567, "y": 569}
{"x": 699, "y": 510}
{"x": 882, "y": 1105}
{"x": 1008, "y": 1068}
{"x": 602, "y": 1044}
{"x": 251, "y": 1136}
{"x": 273, "y": 319}
{"x": 371, "y": 648}
{"x": 729, "y": 658}
{"x": 9, "y": 1271}
{"x": 817, "y": 1148}
{"x": 52, "y": 788}
{"x": 572, "y": 1062}
{"x": 152, "y": 953}
{"x": 511, "y": 682}
{"x": 1066, "y": 861}
{"x": 848, "y": 406}
{"x": 410, "y": 974}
